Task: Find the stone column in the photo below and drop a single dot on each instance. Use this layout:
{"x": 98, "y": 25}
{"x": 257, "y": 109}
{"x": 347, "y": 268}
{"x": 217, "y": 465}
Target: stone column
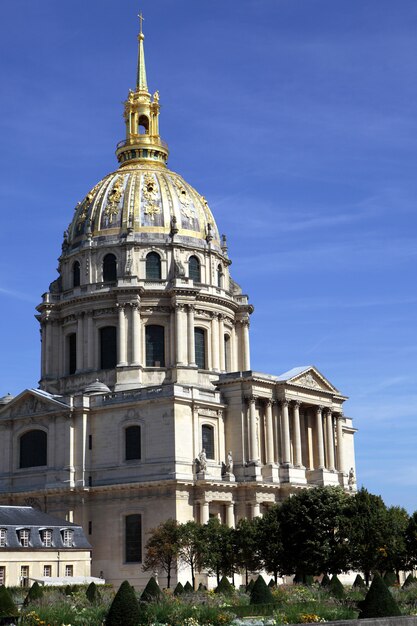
{"x": 286, "y": 456}
{"x": 245, "y": 346}
{"x": 121, "y": 357}
{"x": 277, "y": 432}
{"x": 80, "y": 344}
{"x": 136, "y": 334}
{"x": 253, "y": 435}
{"x": 190, "y": 335}
{"x": 320, "y": 441}
{"x": 204, "y": 512}
{"x": 256, "y": 510}
{"x": 270, "y": 455}
{"x": 179, "y": 334}
{"x": 172, "y": 344}
{"x": 340, "y": 457}
{"x": 297, "y": 434}
{"x": 221, "y": 344}
{"x": 230, "y": 515}
{"x": 330, "y": 440}
{"x": 90, "y": 341}
{"x": 215, "y": 343}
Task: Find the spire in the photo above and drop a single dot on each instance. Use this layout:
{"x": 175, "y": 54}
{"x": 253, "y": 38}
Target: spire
{"x": 141, "y": 83}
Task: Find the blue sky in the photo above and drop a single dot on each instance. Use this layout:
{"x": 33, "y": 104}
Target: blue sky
{"x": 297, "y": 119}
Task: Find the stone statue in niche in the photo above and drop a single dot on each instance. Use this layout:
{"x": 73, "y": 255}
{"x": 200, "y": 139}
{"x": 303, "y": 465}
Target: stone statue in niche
{"x": 179, "y": 269}
{"x": 201, "y": 461}
{"x": 351, "y": 479}
{"x": 229, "y": 462}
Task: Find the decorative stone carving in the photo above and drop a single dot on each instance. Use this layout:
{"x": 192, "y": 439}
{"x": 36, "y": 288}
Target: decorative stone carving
{"x": 113, "y": 199}
{"x": 308, "y": 380}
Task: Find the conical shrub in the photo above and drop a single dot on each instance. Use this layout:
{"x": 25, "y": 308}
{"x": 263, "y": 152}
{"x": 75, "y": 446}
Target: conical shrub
{"x": 188, "y": 588}
{"x": 325, "y": 581}
{"x": 92, "y": 593}
{"x": 151, "y": 592}
{"x": 271, "y": 583}
{"x": 34, "y": 593}
{"x": 250, "y": 586}
{"x": 336, "y": 588}
{"x": 359, "y": 582}
{"x": 201, "y": 587}
{"x": 390, "y": 579}
{"x": 224, "y": 587}
{"x": 125, "y": 607}
{"x": 179, "y": 589}
{"x": 378, "y": 601}
{"x": 410, "y": 580}
{"x": 261, "y": 593}
{"x": 8, "y": 608}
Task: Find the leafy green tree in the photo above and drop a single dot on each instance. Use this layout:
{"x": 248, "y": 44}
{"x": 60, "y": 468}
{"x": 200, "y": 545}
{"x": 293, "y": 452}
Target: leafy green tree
{"x": 411, "y": 541}
{"x": 269, "y": 542}
{"x": 396, "y": 540}
{"x": 125, "y": 607}
{"x": 191, "y": 547}
{"x": 314, "y": 532}
{"x": 161, "y": 549}
{"x": 247, "y": 546}
{"x": 368, "y": 533}
{"x": 219, "y": 556}
{"x": 8, "y": 609}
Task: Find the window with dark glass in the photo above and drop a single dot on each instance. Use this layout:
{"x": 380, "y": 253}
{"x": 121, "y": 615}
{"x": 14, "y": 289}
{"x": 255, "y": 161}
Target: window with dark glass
{"x": 72, "y": 353}
{"x": 33, "y": 449}
{"x": 155, "y": 346}
{"x": 200, "y": 347}
{"x": 108, "y": 347}
{"x": 227, "y": 359}
{"x": 153, "y": 266}
{"x": 133, "y": 443}
{"x": 219, "y": 276}
{"x": 76, "y": 274}
{"x": 207, "y": 437}
{"x": 109, "y": 269}
{"x": 133, "y": 538}
{"x": 194, "y": 270}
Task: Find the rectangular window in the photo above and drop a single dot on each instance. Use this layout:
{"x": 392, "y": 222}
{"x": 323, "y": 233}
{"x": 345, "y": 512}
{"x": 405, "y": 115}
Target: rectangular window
{"x": 132, "y": 443}
{"x": 47, "y": 570}
{"x": 90, "y": 442}
{"x": 67, "y": 536}
{"x": 72, "y": 353}
{"x": 133, "y": 539}
{"x": 24, "y": 538}
{"x": 69, "y": 571}
{"x": 207, "y": 437}
{"x": 90, "y": 528}
{"x": 3, "y": 536}
{"x": 24, "y": 575}
{"x": 47, "y": 538}
{"x": 200, "y": 347}
{"x": 3, "y": 575}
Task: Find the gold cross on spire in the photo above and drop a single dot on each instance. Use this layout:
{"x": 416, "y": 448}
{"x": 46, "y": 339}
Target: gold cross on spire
{"x": 141, "y": 19}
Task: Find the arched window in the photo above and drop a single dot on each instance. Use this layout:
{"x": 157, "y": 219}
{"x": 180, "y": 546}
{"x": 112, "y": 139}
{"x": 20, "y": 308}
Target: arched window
{"x": 207, "y": 440}
{"x": 153, "y": 266}
{"x": 200, "y": 347}
{"x": 76, "y": 274}
{"x": 227, "y": 355}
{"x": 155, "y": 346}
{"x": 109, "y": 268}
{"x": 143, "y": 125}
{"x": 194, "y": 270}
{"x": 219, "y": 276}
{"x": 108, "y": 347}
{"x": 33, "y": 449}
{"x": 133, "y": 443}
{"x": 72, "y": 353}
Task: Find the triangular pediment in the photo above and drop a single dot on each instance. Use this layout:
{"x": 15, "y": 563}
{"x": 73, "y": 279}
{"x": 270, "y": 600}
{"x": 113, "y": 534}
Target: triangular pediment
{"x": 311, "y": 378}
{"x": 32, "y": 402}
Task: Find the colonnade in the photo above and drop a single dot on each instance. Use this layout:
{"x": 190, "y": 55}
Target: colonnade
{"x": 290, "y": 433}
{"x": 230, "y": 516}
{"x": 226, "y": 341}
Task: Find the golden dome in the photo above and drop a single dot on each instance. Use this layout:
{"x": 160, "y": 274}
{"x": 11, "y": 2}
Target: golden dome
{"x": 139, "y": 198}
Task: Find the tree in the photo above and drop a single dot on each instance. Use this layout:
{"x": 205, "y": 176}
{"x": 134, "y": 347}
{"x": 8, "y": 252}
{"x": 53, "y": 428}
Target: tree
{"x": 92, "y": 593}
{"x": 219, "y": 558}
{"x": 368, "y": 533}
{"x": 261, "y": 593}
{"x": 151, "y": 592}
{"x": 411, "y": 541}
{"x": 378, "y": 601}
{"x": 269, "y": 542}
{"x": 314, "y": 529}
{"x": 161, "y": 550}
{"x": 125, "y": 607}
{"x": 191, "y": 547}
{"x": 396, "y": 540}
{"x": 8, "y": 608}
{"x": 245, "y": 538}
{"x": 35, "y": 593}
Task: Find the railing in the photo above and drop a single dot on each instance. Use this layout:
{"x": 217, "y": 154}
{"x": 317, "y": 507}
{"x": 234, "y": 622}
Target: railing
{"x": 140, "y": 140}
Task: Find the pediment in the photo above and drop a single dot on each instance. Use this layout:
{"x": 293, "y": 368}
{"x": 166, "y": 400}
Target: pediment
{"x": 32, "y": 402}
{"x": 311, "y": 378}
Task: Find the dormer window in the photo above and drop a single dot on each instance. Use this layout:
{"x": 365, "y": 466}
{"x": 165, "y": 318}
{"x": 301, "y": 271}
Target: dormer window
{"x": 24, "y": 536}
{"x": 67, "y": 537}
{"x": 3, "y": 537}
{"x": 46, "y": 535}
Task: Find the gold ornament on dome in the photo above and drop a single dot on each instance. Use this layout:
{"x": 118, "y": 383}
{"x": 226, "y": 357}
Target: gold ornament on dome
{"x": 85, "y": 204}
{"x": 183, "y": 196}
{"x": 150, "y": 196}
{"x": 113, "y": 200}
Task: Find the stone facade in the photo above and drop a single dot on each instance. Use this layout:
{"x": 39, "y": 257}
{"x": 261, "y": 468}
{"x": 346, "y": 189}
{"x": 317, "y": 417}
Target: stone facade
{"x": 147, "y": 406}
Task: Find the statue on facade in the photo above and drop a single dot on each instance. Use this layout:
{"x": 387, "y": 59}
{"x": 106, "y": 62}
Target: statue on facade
{"x": 351, "y": 478}
{"x": 229, "y": 462}
{"x": 201, "y": 461}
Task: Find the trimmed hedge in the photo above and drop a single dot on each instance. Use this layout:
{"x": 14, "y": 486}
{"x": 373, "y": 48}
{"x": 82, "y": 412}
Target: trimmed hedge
{"x": 336, "y": 588}
{"x": 151, "y": 592}
{"x": 35, "y": 593}
{"x": 8, "y": 609}
{"x": 359, "y": 582}
{"x": 410, "y": 580}
{"x": 224, "y": 587}
{"x": 378, "y": 601}
{"x": 125, "y": 607}
{"x": 179, "y": 589}
{"x": 261, "y": 593}
{"x": 325, "y": 581}
{"x": 188, "y": 588}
